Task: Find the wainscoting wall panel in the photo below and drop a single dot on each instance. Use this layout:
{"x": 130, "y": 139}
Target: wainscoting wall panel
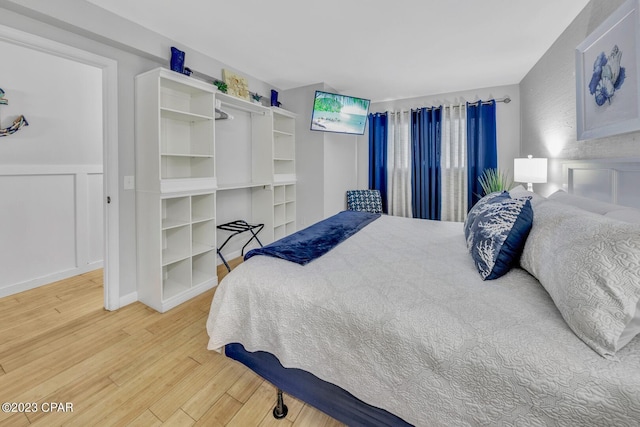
{"x": 51, "y": 224}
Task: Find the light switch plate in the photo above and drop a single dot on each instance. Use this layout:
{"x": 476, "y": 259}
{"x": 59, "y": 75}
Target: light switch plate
{"x": 129, "y": 182}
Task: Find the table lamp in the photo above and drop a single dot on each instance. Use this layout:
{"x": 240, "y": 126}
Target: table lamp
{"x": 530, "y": 170}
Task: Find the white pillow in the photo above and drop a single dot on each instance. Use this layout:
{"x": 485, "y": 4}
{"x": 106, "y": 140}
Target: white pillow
{"x": 520, "y": 191}
{"x": 626, "y": 215}
{"x": 632, "y": 329}
{"x": 609, "y": 210}
{"x": 591, "y": 205}
{"x": 590, "y": 266}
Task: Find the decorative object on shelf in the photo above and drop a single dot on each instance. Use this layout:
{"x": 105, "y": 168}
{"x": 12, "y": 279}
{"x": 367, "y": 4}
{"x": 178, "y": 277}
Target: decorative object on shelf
{"x": 607, "y": 71}
{"x": 493, "y": 180}
{"x": 274, "y": 98}
{"x": 177, "y": 62}
{"x": 256, "y": 98}
{"x": 530, "y": 170}
{"x": 222, "y": 86}
{"x": 236, "y": 85}
{"x": 17, "y": 124}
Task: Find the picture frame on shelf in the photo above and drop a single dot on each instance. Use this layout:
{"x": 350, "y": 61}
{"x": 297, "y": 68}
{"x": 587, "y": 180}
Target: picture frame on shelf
{"x": 236, "y": 85}
{"x": 608, "y": 76}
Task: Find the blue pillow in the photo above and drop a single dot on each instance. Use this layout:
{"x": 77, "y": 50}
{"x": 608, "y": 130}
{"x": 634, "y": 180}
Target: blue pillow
{"x": 364, "y": 201}
{"x": 477, "y": 208}
{"x": 498, "y": 234}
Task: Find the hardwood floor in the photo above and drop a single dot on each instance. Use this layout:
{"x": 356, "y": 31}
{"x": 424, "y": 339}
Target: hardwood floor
{"x": 137, "y": 367}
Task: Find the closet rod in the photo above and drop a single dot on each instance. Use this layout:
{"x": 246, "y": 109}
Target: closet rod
{"x": 241, "y": 108}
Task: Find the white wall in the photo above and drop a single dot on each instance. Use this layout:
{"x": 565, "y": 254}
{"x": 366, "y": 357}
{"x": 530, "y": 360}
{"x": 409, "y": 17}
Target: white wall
{"x": 548, "y": 94}
{"x": 507, "y": 121}
{"x": 51, "y": 212}
{"x": 340, "y": 170}
{"x": 82, "y": 25}
{"x": 310, "y": 184}
{"x": 326, "y": 162}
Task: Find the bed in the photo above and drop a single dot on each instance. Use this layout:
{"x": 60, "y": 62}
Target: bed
{"x": 395, "y": 325}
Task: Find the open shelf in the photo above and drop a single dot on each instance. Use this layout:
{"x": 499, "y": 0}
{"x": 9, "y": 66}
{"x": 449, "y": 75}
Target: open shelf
{"x": 189, "y": 98}
{"x": 203, "y": 237}
{"x": 176, "y": 244}
{"x": 203, "y": 207}
{"x": 175, "y": 212}
{"x": 175, "y": 187}
{"x": 194, "y": 171}
{"x": 176, "y": 278}
{"x": 241, "y": 104}
{"x": 186, "y": 137}
{"x": 181, "y": 166}
{"x": 203, "y": 268}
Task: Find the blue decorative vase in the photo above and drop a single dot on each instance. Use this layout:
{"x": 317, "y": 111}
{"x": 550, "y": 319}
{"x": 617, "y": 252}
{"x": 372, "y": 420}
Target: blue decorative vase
{"x": 177, "y": 60}
{"x": 274, "y": 98}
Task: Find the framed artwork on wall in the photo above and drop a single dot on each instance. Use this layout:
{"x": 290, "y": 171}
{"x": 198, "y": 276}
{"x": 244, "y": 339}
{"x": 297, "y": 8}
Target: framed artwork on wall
{"x": 608, "y": 76}
{"x": 236, "y": 85}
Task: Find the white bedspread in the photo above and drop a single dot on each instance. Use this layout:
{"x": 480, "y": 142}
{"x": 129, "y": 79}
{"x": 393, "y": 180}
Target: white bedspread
{"x": 398, "y": 316}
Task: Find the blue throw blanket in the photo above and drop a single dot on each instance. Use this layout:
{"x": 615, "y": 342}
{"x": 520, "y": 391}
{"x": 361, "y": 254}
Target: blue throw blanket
{"x": 316, "y": 240}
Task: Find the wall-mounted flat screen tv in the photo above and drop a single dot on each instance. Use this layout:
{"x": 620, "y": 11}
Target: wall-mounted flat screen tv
{"x": 339, "y": 113}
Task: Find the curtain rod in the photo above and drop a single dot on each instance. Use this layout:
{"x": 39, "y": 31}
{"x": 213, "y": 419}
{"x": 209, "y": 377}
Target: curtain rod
{"x": 506, "y": 100}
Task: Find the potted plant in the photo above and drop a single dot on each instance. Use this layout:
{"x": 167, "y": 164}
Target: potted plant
{"x": 256, "y": 98}
{"x": 222, "y": 86}
{"x": 493, "y": 180}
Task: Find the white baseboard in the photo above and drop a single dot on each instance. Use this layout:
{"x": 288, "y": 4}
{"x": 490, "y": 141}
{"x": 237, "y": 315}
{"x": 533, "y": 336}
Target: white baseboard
{"x": 128, "y": 299}
{"x": 46, "y": 280}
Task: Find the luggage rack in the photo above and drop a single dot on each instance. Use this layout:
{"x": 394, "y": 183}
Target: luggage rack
{"x": 239, "y": 227}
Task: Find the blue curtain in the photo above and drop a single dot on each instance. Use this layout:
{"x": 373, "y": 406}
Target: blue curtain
{"x": 482, "y": 151}
{"x": 425, "y": 162}
{"x": 378, "y": 125}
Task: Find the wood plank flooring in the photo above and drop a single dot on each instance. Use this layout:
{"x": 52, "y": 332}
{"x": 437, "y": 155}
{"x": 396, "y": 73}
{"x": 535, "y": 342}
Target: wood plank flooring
{"x": 131, "y": 367}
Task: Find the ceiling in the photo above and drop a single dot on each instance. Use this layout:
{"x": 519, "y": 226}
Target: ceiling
{"x": 373, "y": 49}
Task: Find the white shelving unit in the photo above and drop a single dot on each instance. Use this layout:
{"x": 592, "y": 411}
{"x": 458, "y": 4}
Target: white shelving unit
{"x": 176, "y": 184}
{"x": 284, "y": 172}
{"x": 194, "y": 172}
{"x": 243, "y": 148}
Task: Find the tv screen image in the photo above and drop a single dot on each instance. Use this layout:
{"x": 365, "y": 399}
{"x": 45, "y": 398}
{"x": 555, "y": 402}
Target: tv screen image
{"x": 339, "y": 113}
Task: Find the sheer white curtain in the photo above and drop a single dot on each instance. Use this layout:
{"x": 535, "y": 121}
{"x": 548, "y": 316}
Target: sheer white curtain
{"x": 453, "y": 163}
{"x": 399, "y": 164}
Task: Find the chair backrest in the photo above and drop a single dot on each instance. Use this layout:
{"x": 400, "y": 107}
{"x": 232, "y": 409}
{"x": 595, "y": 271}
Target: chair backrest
{"x": 364, "y": 201}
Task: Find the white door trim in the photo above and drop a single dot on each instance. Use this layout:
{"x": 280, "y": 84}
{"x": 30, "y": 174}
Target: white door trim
{"x": 109, "y": 69}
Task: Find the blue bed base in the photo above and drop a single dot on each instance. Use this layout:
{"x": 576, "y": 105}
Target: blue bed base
{"x": 327, "y": 397}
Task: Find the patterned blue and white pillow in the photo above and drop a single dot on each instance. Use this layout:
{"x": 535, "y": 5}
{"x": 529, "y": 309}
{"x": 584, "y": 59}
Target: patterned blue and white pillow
{"x": 364, "y": 201}
{"x": 477, "y": 208}
{"x": 498, "y": 233}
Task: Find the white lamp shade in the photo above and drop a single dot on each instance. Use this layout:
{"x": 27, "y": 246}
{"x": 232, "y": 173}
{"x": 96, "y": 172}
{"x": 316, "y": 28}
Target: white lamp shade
{"x": 531, "y": 169}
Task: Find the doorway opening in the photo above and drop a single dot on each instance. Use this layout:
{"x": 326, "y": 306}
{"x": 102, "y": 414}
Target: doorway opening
{"x": 110, "y": 203}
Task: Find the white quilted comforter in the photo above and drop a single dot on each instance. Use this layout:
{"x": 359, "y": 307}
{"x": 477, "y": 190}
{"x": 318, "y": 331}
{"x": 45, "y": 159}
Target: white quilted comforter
{"x": 398, "y": 316}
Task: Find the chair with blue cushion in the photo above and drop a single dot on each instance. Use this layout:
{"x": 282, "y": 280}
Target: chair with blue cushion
{"x": 364, "y": 201}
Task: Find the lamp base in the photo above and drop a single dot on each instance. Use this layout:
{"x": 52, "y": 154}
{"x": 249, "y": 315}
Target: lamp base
{"x": 529, "y": 187}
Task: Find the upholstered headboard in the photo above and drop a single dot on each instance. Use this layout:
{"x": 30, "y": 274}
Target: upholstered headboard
{"x": 609, "y": 180}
